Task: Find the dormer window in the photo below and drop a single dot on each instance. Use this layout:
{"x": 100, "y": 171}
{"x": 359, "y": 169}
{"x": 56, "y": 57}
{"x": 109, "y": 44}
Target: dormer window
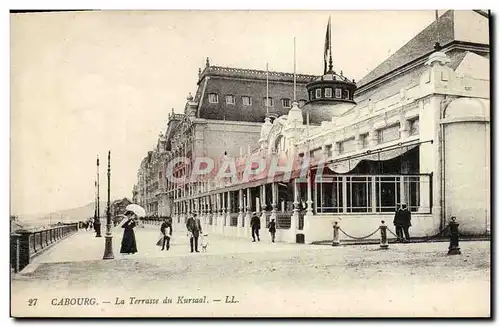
{"x": 347, "y": 94}
{"x": 213, "y": 98}
{"x": 247, "y": 101}
{"x": 328, "y": 92}
{"x": 338, "y": 93}
{"x": 269, "y": 102}
{"x": 286, "y": 103}
{"x": 230, "y": 99}
{"x": 318, "y": 94}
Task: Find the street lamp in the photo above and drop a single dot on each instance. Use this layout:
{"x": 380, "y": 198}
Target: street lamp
{"x": 97, "y": 220}
{"x": 108, "y": 248}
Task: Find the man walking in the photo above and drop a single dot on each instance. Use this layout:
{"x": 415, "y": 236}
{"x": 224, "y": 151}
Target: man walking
{"x": 398, "y": 225}
{"x": 193, "y": 226}
{"x": 166, "y": 238}
{"x": 272, "y": 229}
{"x": 255, "y": 224}
{"x": 405, "y": 221}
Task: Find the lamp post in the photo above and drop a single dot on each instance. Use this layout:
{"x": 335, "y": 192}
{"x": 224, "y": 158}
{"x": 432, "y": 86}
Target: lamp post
{"x": 108, "y": 248}
{"x": 97, "y": 220}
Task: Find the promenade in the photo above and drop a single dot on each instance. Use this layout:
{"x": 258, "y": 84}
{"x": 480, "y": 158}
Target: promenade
{"x": 265, "y": 279}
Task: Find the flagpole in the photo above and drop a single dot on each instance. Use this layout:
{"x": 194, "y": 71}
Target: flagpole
{"x": 294, "y": 72}
{"x": 267, "y": 89}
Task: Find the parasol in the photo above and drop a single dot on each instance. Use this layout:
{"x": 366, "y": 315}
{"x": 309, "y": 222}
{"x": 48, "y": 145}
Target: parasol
{"x": 137, "y": 209}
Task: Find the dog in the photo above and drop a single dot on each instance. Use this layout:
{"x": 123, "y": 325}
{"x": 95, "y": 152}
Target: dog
{"x": 204, "y": 243}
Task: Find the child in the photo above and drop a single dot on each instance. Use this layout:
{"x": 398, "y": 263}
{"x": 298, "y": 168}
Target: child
{"x": 272, "y": 229}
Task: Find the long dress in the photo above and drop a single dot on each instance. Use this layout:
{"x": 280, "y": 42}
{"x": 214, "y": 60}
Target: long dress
{"x": 128, "y": 240}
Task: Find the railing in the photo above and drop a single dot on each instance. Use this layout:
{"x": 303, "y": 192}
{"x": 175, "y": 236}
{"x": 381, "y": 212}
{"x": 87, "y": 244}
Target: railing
{"x": 234, "y": 219}
{"x": 152, "y": 220}
{"x": 302, "y": 213}
{"x": 26, "y": 244}
{"x": 283, "y": 220}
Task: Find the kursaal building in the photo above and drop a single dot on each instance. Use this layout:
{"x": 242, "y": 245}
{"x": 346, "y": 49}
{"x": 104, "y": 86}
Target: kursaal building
{"x": 415, "y": 130}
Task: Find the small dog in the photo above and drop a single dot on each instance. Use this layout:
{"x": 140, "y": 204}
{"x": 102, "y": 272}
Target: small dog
{"x": 204, "y": 243}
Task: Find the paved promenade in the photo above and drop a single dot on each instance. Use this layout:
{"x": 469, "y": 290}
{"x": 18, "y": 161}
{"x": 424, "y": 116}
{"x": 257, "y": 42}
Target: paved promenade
{"x": 84, "y": 246}
{"x": 265, "y": 279}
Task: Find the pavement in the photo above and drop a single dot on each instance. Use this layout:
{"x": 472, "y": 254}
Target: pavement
{"x": 238, "y": 278}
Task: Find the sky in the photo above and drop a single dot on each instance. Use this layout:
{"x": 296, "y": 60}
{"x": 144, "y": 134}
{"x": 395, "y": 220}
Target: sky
{"x": 85, "y": 83}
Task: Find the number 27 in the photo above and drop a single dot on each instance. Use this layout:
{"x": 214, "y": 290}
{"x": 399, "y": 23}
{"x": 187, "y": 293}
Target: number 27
{"x": 32, "y": 302}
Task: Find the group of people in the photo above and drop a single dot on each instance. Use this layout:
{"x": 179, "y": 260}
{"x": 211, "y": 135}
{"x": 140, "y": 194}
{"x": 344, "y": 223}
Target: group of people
{"x": 129, "y": 244}
{"x": 402, "y": 222}
{"x": 193, "y": 226}
{"x": 255, "y": 225}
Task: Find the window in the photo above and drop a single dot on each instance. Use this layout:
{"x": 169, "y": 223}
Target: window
{"x": 347, "y": 145}
{"x": 159, "y": 174}
{"x": 364, "y": 140}
{"x": 388, "y": 134}
{"x": 286, "y": 103}
{"x": 328, "y": 92}
{"x": 247, "y": 101}
{"x": 230, "y": 99}
{"x": 328, "y": 150}
{"x": 347, "y": 94}
{"x": 366, "y": 194}
{"x": 318, "y": 93}
{"x": 269, "y": 102}
{"x": 414, "y": 126}
{"x": 338, "y": 93}
{"x": 213, "y": 98}
{"x": 388, "y": 193}
{"x": 329, "y": 195}
{"x": 302, "y": 103}
{"x": 359, "y": 194}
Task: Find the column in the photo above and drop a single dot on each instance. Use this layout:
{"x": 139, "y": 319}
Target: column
{"x": 294, "y": 223}
{"x": 263, "y": 217}
{"x": 309, "y": 211}
{"x": 223, "y": 209}
{"x": 374, "y": 194}
{"x": 344, "y": 194}
{"x": 248, "y": 216}
{"x": 240, "y": 213}
{"x": 273, "y": 204}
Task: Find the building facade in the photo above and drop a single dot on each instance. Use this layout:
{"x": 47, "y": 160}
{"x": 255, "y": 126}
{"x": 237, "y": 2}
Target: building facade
{"x": 224, "y": 118}
{"x": 415, "y": 130}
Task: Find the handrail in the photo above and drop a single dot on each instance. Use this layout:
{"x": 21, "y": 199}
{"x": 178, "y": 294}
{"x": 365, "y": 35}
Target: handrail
{"x": 26, "y": 244}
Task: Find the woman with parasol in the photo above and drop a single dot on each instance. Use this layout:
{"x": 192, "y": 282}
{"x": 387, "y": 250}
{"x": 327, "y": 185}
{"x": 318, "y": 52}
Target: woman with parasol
{"x": 129, "y": 245}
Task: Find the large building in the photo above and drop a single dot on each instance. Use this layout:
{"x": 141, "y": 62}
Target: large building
{"x": 224, "y": 118}
{"x": 415, "y": 130}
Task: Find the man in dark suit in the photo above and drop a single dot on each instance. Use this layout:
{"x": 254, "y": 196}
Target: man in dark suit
{"x": 402, "y": 221}
{"x": 193, "y": 226}
{"x": 255, "y": 224}
{"x": 405, "y": 219}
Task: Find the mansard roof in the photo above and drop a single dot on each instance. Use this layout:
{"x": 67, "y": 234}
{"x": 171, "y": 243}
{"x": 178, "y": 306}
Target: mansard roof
{"x": 239, "y": 83}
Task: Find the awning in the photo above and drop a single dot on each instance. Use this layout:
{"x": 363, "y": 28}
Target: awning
{"x": 345, "y": 165}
